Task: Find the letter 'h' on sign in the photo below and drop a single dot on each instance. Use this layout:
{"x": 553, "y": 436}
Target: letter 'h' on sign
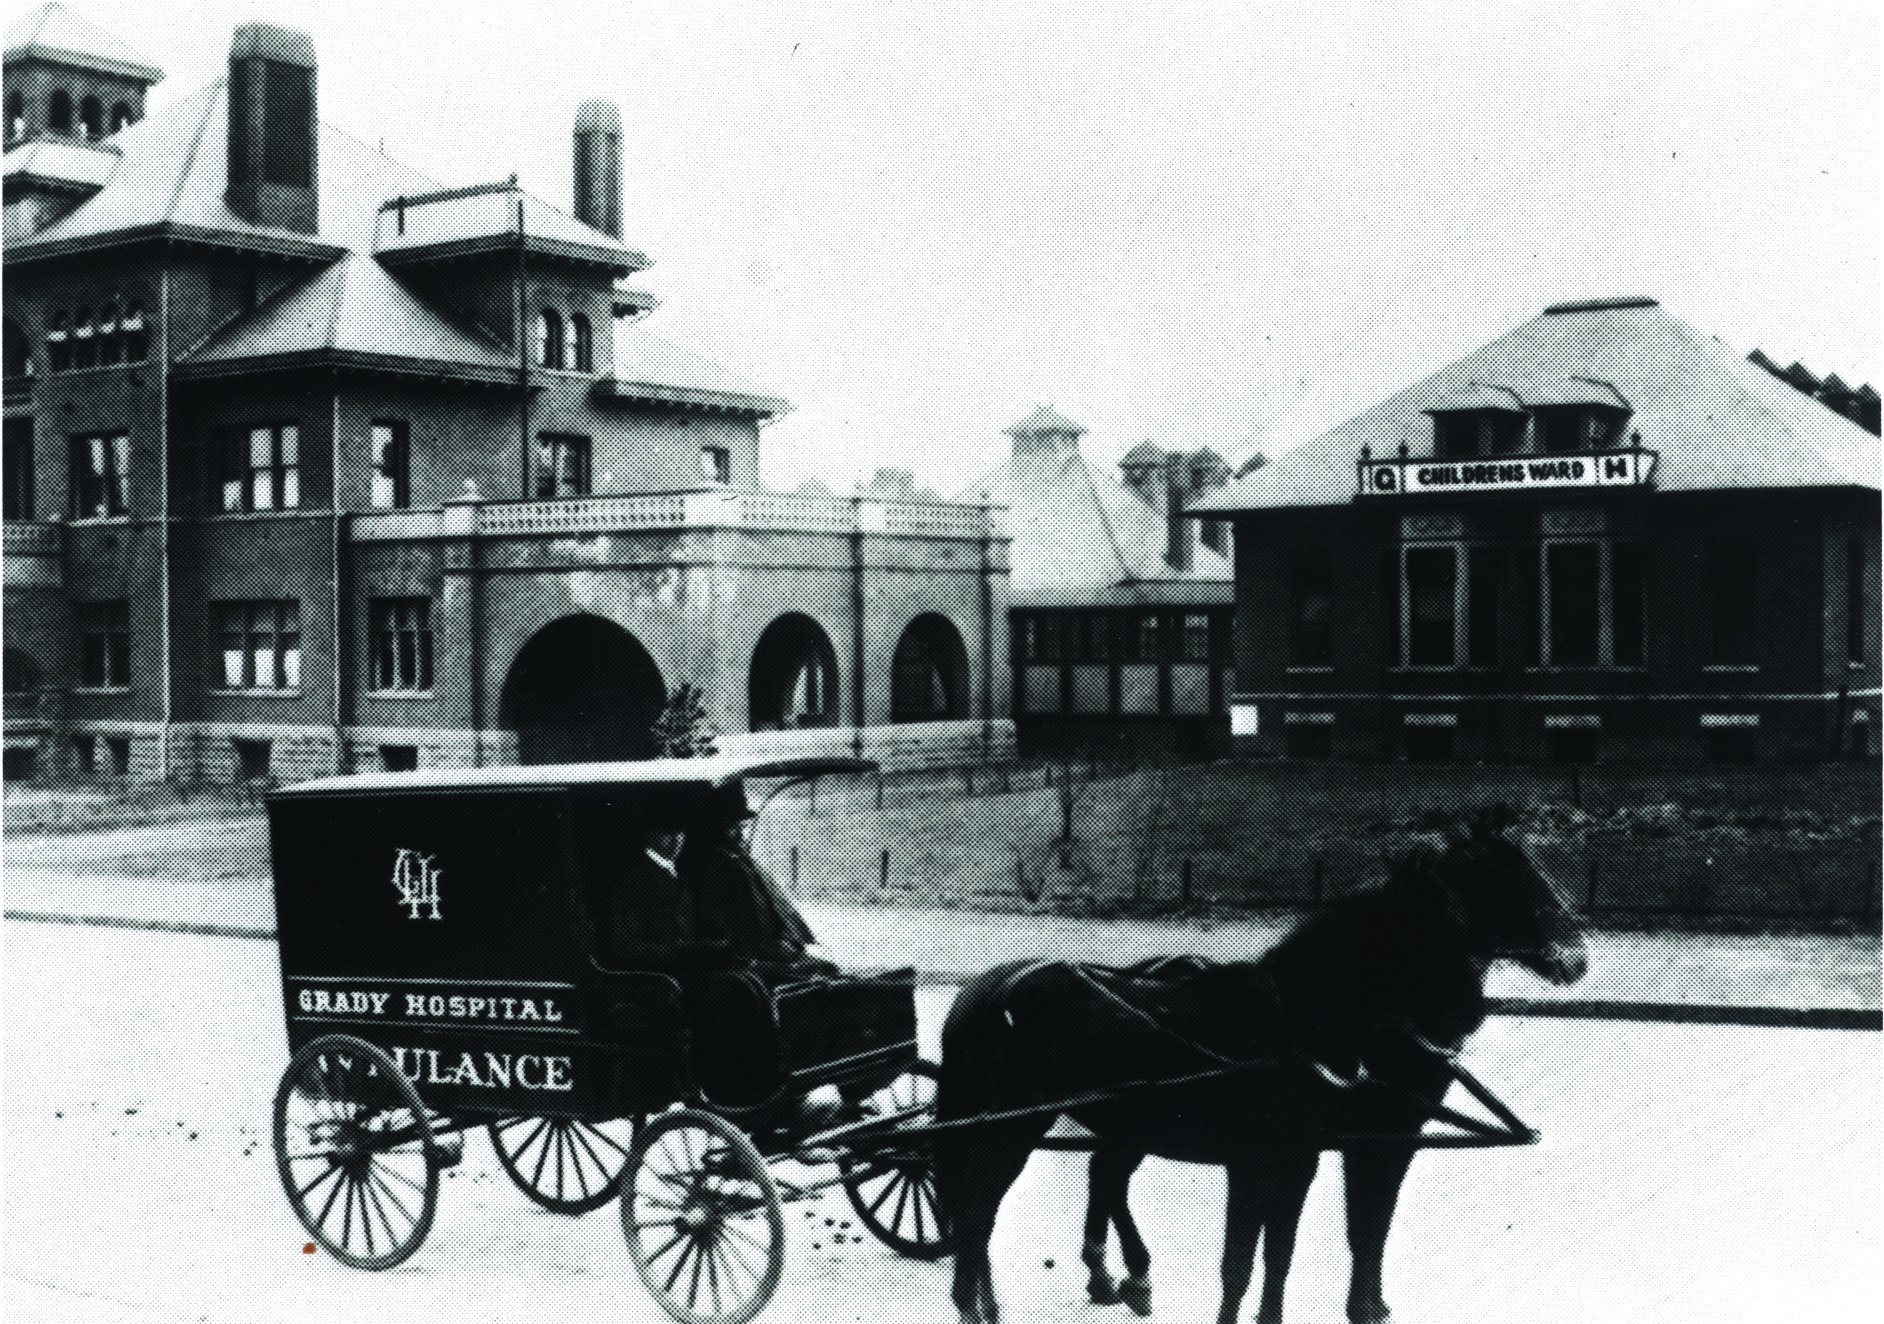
{"x": 417, "y": 881}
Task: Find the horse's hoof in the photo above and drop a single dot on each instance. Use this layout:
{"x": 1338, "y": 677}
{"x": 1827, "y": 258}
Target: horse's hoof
{"x": 1136, "y": 1293}
{"x": 1103, "y": 1291}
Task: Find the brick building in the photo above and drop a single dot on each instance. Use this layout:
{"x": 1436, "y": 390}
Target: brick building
{"x": 313, "y": 462}
{"x": 1120, "y": 611}
{"x": 1603, "y": 536}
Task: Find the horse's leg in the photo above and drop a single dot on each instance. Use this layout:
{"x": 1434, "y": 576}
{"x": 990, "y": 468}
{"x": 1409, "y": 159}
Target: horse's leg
{"x": 1373, "y": 1177}
{"x": 1104, "y": 1178}
{"x": 974, "y": 1170}
{"x": 1242, "y": 1224}
{"x": 1289, "y": 1176}
{"x": 1135, "y": 1291}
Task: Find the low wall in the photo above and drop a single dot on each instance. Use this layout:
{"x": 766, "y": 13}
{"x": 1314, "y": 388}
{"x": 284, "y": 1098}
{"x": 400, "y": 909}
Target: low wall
{"x": 902, "y": 747}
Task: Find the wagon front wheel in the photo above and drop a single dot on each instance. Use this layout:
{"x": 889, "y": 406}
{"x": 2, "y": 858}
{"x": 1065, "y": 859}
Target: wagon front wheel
{"x": 702, "y": 1218}
{"x": 891, "y": 1179}
{"x": 356, "y": 1152}
{"x": 563, "y": 1163}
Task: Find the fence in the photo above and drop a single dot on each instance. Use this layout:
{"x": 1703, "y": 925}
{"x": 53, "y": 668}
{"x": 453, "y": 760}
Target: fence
{"x": 1793, "y": 844}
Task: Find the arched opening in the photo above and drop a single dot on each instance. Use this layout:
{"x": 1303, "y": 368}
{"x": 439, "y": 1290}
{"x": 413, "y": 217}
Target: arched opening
{"x": 120, "y": 117}
{"x": 16, "y": 117}
{"x": 92, "y": 118}
{"x": 583, "y": 690}
{"x": 59, "y": 111}
{"x": 794, "y": 677}
{"x": 581, "y": 344}
{"x": 549, "y": 339}
{"x": 929, "y": 673}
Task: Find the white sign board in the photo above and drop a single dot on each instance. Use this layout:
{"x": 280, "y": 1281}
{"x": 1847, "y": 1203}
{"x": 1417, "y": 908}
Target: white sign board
{"x": 1242, "y": 719}
{"x": 1630, "y": 468}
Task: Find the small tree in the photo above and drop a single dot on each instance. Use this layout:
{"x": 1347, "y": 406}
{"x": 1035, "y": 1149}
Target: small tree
{"x": 684, "y": 730}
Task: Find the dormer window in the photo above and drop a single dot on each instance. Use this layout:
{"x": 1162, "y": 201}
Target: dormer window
{"x": 1464, "y": 436}
{"x": 1564, "y": 430}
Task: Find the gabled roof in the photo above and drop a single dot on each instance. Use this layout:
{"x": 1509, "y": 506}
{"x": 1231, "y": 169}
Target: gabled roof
{"x": 1082, "y": 538}
{"x": 55, "y": 34}
{"x": 1716, "y": 420}
{"x": 353, "y": 311}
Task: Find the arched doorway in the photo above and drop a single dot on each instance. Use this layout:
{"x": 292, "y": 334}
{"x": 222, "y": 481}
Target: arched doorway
{"x": 583, "y": 690}
{"x": 794, "y": 677}
{"x": 929, "y": 673}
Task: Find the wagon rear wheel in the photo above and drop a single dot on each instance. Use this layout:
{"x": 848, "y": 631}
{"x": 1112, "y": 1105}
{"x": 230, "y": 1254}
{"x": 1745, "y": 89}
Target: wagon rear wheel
{"x": 356, "y": 1153}
{"x": 702, "y": 1218}
{"x": 891, "y": 1180}
{"x": 563, "y": 1163}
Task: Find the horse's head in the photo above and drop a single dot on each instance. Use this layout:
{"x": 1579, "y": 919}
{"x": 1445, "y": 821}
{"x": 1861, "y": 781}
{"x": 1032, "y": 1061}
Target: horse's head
{"x": 1510, "y": 907}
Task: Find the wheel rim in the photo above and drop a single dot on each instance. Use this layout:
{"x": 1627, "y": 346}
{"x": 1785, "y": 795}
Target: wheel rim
{"x": 563, "y": 1163}
{"x": 355, "y": 1151}
{"x": 703, "y": 1220}
{"x": 892, "y": 1187}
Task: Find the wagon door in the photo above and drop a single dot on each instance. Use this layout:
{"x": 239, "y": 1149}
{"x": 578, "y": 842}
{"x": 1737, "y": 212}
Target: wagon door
{"x": 439, "y": 926}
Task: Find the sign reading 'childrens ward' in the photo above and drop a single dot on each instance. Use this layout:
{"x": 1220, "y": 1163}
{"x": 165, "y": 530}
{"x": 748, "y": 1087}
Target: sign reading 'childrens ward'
{"x": 1404, "y": 477}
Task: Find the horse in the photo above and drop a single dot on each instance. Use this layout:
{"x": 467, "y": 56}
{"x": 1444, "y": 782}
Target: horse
{"x": 1254, "y": 1066}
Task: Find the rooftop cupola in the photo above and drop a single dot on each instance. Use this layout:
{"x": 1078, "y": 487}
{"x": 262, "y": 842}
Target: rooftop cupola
{"x": 598, "y": 167}
{"x": 273, "y": 128}
{"x": 1043, "y": 435}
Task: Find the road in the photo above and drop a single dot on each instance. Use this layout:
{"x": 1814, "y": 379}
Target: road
{"x": 1706, "y": 1173}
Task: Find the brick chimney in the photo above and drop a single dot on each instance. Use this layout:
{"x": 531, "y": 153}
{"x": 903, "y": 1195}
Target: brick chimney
{"x": 598, "y": 166}
{"x": 274, "y": 128}
{"x": 1178, "y": 533}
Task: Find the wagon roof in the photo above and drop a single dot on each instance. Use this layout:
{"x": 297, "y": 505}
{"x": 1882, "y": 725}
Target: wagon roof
{"x": 703, "y": 774}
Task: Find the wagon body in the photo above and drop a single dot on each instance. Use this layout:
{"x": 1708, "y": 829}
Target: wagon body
{"x": 451, "y": 920}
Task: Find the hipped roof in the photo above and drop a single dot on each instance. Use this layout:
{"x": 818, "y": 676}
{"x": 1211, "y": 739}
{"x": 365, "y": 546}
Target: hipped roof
{"x": 57, "y": 35}
{"x": 1082, "y": 538}
{"x": 1716, "y": 420}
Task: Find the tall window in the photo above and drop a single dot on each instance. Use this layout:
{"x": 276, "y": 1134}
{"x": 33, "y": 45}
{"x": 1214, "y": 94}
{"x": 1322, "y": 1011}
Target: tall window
{"x": 1432, "y": 609}
{"x": 101, "y": 475}
{"x": 717, "y": 463}
{"x": 92, "y": 117}
{"x": 392, "y": 465}
{"x": 581, "y": 345}
{"x": 1194, "y": 641}
{"x": 1095, "y": 636}
{"x": 562, "y": 466}
{"x": 1594, "y": 598}
{"x": 1144, "y": 637}
{"x": 1732, "y": 577}
{"x": 18, "y": 455}
{"x": 261, "y": 644}
{"x": 1856, "y": 600}
{"x": 59, "y": 112}
{"x": 1310, "y": 590}
{"x": 1484, "y": 574}
{"x": 104, "y": 644}
{"x": 261, "y": 467}
{"x": 549, "y": 338}
{"x": 402, "y": 643}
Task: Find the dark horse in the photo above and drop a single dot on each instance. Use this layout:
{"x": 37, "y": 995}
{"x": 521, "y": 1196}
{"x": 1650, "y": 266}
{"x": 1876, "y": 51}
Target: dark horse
{"x": 1343, "y": 1028}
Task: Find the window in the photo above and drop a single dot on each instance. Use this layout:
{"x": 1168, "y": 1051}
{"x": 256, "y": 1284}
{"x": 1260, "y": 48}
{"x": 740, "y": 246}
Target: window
{"x": 717, "y": 463}
{"x": 92, "y": 117}
{"x": 1431, "y": 579}
{"x": 399, "y": 758}
{"x": 136, "y": 335}
{"x": 101, "y": 475}
{"x": 19, "y": 350}
{"x": 581, "y": 346}
{"x": 261, "y": 467}
{"x": 1856, "y": 599}
{"x": 59, "y": 112}
{"x": 104, "y": 644}
{"x": 402, "y": 644}
{"x": 119, "y": 748}
{"x": 121, "y": 117}
{"x": 562, "y": 466}
{"x": 261, "y": 645}
{"x": 549, "y": 338}
{"x": 1429, "y": 744}
{"x": 1732, "y": 581}
{"x": 85, "y": 754}
{"x": 1043, "y": 637}
{"x": 1593, "y": 600}
{"x": 17, "y": 454}
{"x": 1310, "y": 741}
{"x": 252, "y": 759}
{"x": 392, "y": 466}
{"x": 1469, "y": 435}
{"x": 1484, "y": 573}
{"x": 19, "y": 673}
{"x": 1095, "y": 637}
{"x": 20, "y": 764}
{"x": 58, "y": 341}
{"x": 1310, "y": 591}
{"x": 1144, "y": 638}
{"x": 1195, "y": 639}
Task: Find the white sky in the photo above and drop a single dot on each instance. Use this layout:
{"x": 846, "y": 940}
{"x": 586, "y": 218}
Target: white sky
{"x": 1227, "y": 224}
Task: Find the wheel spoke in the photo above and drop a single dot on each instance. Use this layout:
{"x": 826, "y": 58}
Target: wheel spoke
{"x": 381, "y": 1186}
{"x": 889, "y": 1189}
{"x": 320, "y": 1177}
{"x": 668, "y": 1245}
{"x": 680, "y": 1264}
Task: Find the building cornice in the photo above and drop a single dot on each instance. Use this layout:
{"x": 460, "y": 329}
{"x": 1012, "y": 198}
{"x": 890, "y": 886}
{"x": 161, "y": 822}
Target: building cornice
{"x": 276, "y": 245}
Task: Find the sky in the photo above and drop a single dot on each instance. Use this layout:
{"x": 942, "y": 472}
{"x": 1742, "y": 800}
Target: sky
{"x": 1231, "y": 225}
